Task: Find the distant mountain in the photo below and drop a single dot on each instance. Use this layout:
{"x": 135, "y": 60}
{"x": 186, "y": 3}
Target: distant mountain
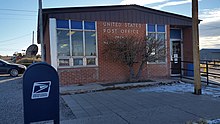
{"x": 210, "y": 54}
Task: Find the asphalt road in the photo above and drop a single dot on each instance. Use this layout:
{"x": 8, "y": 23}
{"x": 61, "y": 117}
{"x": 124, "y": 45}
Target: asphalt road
{"x": 11, "y": 102}
{"x": 7, "y": 77}
{"x": 128, "y": 106}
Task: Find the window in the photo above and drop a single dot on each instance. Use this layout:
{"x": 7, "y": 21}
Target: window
{"x": 63, "y": 24}
{"x": 90, "y": 25}
{"x": 63, "y": 62}
{"x": 151, "y": 28}
{"x": 76, "y": 43}
{"x": 161, "y": 28}
{"x": 76, "y": 25}
{"x": 90, "y": 43}
{"x": 90, "y": 61}
{"x": 157, "y": 32}
{"x": 78, "y": 62}
{"x": 63, "y": 44}
{"x": 175, "y": 34}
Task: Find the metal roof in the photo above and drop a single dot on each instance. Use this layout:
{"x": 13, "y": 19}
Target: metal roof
{"x": 120, "y": 13}
{"x": 117, "y": 13}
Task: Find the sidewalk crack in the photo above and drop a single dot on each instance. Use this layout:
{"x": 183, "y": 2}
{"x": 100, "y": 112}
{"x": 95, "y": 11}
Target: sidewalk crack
{"x": 185, "y": 111}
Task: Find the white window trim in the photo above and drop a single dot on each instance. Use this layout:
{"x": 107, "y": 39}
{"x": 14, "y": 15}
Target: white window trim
{"x": 70, "y": 38}
{"x": 97, "y": 55}
{"x": 71, "y": 57}
{"x": 53, "y": 42}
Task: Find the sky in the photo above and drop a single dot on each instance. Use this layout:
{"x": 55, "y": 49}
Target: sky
{"x": 18, "y": 18}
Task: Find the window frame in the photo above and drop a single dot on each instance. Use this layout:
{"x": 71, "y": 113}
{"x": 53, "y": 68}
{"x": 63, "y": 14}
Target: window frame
{"x": 84, "y": 57}
{"x": 165, "y": 41}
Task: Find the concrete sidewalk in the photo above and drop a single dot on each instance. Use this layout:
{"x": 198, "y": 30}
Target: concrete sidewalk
{"x": 135, "y": 107}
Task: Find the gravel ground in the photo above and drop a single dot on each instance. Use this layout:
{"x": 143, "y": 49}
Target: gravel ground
{"x": 11, "y": 107}
{"x": 11, "y": 104}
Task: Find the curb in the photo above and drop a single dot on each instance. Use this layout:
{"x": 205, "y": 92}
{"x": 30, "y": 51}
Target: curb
{"x": 118, "y": 87}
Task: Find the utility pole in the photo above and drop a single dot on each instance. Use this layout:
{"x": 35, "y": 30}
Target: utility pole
{"x": 196, "y": 55}
{"x": 41, "y": 31}
{"x": 33, "y": 38}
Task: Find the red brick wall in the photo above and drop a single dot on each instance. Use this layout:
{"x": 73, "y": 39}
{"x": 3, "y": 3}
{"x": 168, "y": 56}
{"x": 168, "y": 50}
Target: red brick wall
{"x": 78, "y": 75}
{"x": 187, "y": 49}
{"x": 108, "y": 71}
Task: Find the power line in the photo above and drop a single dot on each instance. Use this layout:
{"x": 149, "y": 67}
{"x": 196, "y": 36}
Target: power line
{"x": 10, "y": 50}
{"x": 209, "y": 34}
{"x": 15, "y": 19}
{"x": 15, "y": 38}
{"x": 208, "y": 29}
{"x": 6, "y": 44}
{"x": 18, "y": 10}
{"x": 210, "y": 26}
{"x": 16, "y": 14}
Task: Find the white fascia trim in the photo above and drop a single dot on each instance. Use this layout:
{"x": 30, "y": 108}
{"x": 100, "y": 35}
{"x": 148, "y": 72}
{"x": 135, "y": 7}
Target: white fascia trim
{"x": 53, "y": 42}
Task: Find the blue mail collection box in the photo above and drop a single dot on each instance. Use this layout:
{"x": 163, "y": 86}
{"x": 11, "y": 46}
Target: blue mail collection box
{"x": 41, "y": 93}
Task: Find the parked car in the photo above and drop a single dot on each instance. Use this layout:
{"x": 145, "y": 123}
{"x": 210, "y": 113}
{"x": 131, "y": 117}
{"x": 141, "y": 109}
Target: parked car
{"x": 11, "y": 68}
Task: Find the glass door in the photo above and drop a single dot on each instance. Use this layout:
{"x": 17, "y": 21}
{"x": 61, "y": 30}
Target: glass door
{"x": 175, "y": 57}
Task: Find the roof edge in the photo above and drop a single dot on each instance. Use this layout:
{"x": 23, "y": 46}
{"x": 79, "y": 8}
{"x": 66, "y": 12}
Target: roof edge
{"x": 106, "y": 8}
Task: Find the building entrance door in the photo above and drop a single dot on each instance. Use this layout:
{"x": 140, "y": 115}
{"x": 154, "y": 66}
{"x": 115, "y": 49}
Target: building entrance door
{"x": 175, "y": 58}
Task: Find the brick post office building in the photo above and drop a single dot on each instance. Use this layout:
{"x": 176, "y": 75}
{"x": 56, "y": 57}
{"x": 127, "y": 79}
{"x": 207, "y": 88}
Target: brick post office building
{"x": 74, "y": 38}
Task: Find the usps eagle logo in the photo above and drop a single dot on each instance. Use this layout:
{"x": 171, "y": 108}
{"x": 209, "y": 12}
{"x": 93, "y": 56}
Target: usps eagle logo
{"x": 41, "y": 90}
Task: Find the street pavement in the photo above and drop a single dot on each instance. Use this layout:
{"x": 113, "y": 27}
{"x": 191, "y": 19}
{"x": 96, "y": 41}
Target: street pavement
{"x": 105, "y": 106}
{"x": 7, "y": 77}
{"x": 11, "y": 103}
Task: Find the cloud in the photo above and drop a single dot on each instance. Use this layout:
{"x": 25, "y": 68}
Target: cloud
{"x": 210, "y": 42}
{"x": 210, "y": 28}
{"x": 209, "y": 15}
{"x": 162, "y": 3}
{"x": 174, "y": 3}
{"x": 142, "y": 2}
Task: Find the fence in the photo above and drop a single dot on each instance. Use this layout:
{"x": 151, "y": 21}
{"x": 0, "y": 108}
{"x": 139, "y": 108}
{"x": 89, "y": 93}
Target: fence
{"x": 208, "y": 70}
